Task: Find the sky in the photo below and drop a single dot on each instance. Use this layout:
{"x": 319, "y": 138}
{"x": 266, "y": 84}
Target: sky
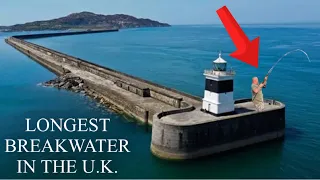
{"x": 175, "y": 12}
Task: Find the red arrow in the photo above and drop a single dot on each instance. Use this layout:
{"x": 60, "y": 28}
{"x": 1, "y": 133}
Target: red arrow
{"x": 247, "y": 51}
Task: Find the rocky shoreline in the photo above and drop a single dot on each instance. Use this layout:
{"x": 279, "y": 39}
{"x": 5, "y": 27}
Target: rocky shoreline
{"x": 75, "y": 84}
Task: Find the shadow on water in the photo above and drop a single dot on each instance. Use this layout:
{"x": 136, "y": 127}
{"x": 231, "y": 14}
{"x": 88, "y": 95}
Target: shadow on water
{"x": 262, "y": 157}
{"x": 277, "y": 145}
{"x": 293, "y": 133}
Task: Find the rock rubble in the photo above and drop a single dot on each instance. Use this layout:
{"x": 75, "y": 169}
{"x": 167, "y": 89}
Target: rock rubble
{"x": 68, "y": 82}
{"x": 74, "y": 83}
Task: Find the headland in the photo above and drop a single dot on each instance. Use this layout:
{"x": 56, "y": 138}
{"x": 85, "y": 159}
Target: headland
{"x": 85, "y": 21}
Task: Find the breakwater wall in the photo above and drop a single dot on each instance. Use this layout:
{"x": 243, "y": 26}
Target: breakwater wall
{"x": 98, "y": 69}
{"x": 135, "y": 85}
{"x": 58, "y": 70}
{"x": 46, "y": 35}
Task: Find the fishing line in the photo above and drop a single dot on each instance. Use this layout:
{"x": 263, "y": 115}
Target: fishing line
{"x": 275, "y": 64}
{"x": 271, "y": 69}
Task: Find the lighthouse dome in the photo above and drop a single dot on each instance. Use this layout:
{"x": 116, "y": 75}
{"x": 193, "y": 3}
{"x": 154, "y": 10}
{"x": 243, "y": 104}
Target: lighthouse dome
{"x": 219, "y": 64}
{"x": 219, "y": 59}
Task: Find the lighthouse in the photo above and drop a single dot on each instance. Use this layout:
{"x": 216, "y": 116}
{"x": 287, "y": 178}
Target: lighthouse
{"x": 218, "y": 93}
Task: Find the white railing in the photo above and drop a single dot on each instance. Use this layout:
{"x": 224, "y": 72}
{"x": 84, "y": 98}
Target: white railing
{"x": 220, "y": 73}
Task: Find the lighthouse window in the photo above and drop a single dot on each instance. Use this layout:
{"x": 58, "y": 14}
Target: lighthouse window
{"x": 220, "y": 66}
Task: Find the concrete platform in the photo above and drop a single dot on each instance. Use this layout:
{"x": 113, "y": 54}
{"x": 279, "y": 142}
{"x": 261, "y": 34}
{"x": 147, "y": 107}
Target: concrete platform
{"x": 198, "y": 117}
{"x": 195, "y": 133}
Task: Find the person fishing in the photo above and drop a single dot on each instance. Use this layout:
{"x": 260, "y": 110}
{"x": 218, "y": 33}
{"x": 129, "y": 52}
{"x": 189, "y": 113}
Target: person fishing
{"x": 256, "y": 88}
{"x": 257, "y": 95}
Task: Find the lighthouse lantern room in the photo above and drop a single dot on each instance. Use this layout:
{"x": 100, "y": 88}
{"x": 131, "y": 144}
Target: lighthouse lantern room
{"x": 218, "y": 94}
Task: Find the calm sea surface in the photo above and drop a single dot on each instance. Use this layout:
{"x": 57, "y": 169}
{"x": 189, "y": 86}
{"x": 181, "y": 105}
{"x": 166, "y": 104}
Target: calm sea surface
{"x": 174, "y": 57}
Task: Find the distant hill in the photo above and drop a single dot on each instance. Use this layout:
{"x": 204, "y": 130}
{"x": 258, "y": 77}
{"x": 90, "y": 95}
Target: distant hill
{"x": 86, "y": 20}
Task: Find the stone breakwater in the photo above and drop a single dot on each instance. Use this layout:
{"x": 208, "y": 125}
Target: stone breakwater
{"x": 180, "y": 130}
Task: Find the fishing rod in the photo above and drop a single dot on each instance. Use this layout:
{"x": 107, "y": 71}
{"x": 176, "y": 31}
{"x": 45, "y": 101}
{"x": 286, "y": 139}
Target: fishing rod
{"x": 275, "y": 64}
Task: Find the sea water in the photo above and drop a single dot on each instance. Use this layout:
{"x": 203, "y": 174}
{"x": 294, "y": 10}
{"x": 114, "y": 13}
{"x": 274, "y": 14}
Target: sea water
{"x": 175, "y": 57}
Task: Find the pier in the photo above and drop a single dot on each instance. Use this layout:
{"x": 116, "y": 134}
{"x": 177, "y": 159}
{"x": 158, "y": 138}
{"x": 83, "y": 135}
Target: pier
{"x": 181, "y": 127}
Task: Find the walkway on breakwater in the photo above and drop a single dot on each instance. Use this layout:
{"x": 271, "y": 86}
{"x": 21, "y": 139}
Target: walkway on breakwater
{"x": 180, "y": 130}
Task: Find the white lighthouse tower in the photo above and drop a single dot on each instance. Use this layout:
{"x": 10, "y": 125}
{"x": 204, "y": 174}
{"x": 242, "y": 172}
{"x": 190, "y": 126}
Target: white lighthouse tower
{"x": 218, "y": 94}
